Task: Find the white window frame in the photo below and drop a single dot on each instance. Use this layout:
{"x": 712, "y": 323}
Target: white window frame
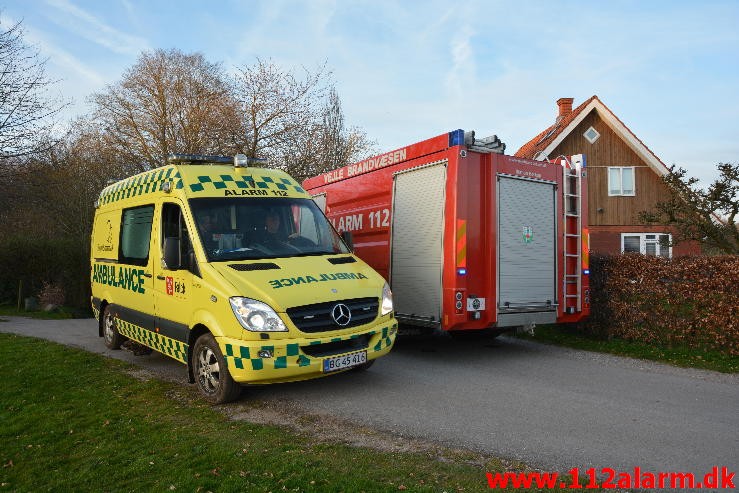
{"x": 646, "y": 239}
{"x": 620, "y": 170}
{"x": 594, "y": 131}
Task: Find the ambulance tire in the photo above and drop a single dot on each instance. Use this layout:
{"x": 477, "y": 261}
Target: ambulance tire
{"x": 211, "y": 373}
{"x": 113, "y": 339}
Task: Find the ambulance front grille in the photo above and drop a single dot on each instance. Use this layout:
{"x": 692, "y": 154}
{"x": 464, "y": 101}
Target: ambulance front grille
{"x": 318, "y": 317}
{"x": 336, "y": 347}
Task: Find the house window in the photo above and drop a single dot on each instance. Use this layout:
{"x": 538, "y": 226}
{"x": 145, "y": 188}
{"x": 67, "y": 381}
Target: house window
{"x": 591, "y": 135}
{"x": 621, "y": 181}
{"x": 656, "y": 244}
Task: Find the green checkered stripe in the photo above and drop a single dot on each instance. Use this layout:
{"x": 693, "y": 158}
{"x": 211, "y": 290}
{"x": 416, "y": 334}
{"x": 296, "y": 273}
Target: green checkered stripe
{"x": 141, "y": 184}
{"x": 95, "y": 312}
{"x": 223, "y": 182}
{"x": 386, "y": 339}
{"x": 242, "y": 357}
{"x": 158, "y": 342}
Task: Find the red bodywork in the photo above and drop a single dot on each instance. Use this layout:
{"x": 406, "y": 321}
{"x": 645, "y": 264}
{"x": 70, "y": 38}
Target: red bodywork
{"x": 359, "y": 199}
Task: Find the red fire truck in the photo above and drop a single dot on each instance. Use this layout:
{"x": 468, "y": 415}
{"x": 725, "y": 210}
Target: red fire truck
{"x": 468, "y": 237}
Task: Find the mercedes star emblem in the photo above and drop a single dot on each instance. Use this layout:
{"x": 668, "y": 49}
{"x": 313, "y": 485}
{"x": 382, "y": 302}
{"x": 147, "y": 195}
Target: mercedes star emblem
{"x": 341, "y": 314}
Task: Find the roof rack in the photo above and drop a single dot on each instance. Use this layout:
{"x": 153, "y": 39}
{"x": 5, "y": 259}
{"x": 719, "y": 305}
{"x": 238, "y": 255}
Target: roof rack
{"x": 199, "y": 159}
{"x": 237, "y": 161}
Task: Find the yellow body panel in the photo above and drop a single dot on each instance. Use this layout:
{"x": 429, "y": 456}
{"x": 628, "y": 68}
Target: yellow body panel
{"x": 160, "y": 308}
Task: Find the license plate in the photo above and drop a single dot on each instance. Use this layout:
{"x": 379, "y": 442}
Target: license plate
{"x": 344, "y": 362}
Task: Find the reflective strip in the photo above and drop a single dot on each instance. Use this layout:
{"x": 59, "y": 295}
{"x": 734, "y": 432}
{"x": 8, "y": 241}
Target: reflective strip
{"x": 461, "y": 243}
{"x": 158, "y": 342}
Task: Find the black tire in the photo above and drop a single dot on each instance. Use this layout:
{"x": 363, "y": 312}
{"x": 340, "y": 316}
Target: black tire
{"x": 211, "y": 373}
{"x": 364, "y": 366}
{"x": 112, "y": 338}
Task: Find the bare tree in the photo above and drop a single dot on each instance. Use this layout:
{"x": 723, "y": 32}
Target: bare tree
{"x": 334, "y": 138}
{"x": 279, "y": 109}
{"x": 169, "y": 102}
{"x": 28, "y": 110}
{"x": 705, "y": 215}
{"x": 51, "y": 194}
{"x": 329, "y": 145}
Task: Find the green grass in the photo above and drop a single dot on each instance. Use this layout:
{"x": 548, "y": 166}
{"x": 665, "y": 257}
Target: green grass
{"x": 677, "y": 356}
{"x": 75, "y": 421}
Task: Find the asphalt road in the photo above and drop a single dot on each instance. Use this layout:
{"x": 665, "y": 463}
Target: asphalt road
{"x": 551, "y": 407}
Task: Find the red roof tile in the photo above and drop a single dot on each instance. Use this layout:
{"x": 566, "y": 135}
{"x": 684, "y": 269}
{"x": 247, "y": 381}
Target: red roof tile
{"x": 533, "y": 147}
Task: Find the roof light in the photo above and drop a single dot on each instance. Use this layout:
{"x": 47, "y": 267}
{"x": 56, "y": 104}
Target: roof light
{"x": 198, "y": 158}
{"x": 242, "y": 161}
{"x": 256, "y": 162}
{"x": 456, "y": 137}
{"x": 586, "y": 272}
{"x": 462, "y": 271}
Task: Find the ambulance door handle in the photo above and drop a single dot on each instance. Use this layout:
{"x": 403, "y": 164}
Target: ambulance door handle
{"x": 146, "y": 274}
{"x": 161, "y": 278}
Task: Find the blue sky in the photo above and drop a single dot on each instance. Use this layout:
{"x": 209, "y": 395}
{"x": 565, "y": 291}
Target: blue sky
{"x": 409, "y": 70}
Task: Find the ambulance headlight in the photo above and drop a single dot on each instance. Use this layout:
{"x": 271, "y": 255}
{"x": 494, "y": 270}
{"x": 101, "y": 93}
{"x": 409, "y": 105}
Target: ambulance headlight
{"x": 256, "y": 316}
{"x": 387, "y": 300}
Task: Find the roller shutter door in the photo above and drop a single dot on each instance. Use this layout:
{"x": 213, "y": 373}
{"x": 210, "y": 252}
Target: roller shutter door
{"x": 417, "y": 239}
{"x": 320, "y": 201}
{"x": 526, "y": 244}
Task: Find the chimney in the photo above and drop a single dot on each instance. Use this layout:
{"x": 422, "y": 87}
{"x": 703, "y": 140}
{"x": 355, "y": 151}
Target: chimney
{"x": 565, "y": 106}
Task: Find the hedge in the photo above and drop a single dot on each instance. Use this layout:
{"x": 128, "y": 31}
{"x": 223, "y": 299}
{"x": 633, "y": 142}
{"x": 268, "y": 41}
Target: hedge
{"x": 61, "y": 263}
{"x": 684, "y": 301}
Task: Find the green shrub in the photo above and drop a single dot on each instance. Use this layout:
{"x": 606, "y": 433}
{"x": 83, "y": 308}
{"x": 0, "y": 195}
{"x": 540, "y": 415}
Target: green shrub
{"x": 684, "y": 301}
{"x": 38, "y": 261}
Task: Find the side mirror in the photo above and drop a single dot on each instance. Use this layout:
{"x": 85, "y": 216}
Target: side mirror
{"x": 172, "y": 259}
{"x": 347, "y": 237}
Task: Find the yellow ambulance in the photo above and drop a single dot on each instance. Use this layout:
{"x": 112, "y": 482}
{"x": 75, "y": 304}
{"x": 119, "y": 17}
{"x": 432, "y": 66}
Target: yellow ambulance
{"x": 234, "y": 271}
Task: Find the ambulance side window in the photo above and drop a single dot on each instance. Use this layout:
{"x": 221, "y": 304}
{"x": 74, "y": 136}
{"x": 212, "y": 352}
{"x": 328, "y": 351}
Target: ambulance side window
{"x": 308, "y": 225}
{"x": 136, "y": 235}
{"x": 173, "y": 226}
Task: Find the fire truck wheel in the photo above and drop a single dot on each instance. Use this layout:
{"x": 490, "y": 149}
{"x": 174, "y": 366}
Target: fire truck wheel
{"x": 365, "y": 366}
{"x": 211, "y": 372}
{"x": 113, "y": 339}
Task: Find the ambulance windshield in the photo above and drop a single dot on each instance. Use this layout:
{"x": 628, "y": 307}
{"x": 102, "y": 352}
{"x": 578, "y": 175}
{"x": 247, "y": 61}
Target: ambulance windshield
{"x": 257, "y": 228}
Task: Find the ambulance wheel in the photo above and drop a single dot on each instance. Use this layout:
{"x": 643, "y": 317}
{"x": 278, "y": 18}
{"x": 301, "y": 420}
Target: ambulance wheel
{"x": 364, "y": 366}
{"x": 211, "y": 372}
{"x": 113, "y": 339}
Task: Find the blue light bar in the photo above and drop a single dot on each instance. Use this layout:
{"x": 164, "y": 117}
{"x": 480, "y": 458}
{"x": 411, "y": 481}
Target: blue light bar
{"x": 586, "y": 272}
{"x": 456, "y": 137}
{"x": 461, "y": 271}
